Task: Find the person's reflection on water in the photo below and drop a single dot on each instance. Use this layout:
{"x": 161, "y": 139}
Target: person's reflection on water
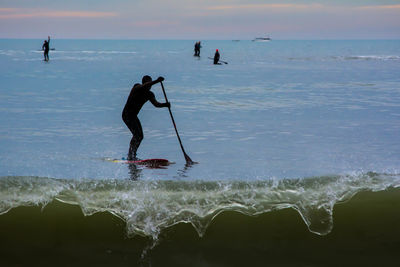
{"x": 183, "y": 173}
{"x": 134, "y": 171}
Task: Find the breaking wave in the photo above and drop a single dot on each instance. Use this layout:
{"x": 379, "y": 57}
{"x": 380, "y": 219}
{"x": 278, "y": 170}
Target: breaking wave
{"x": 149, "y": 207}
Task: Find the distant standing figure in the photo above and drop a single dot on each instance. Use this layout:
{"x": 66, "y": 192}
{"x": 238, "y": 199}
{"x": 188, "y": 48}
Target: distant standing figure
{"x": 138, "y": 96}
{"x": 46, "y": 49}
{"x": 216, "y": 57}
{"x": 197, "y": 47}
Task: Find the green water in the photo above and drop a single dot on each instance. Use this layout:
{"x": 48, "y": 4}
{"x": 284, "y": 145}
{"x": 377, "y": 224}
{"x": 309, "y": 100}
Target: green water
{"x": 366, "y": 233}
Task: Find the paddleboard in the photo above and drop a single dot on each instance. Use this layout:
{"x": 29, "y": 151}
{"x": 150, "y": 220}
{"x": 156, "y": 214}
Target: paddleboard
{"x": 151, "y": 163}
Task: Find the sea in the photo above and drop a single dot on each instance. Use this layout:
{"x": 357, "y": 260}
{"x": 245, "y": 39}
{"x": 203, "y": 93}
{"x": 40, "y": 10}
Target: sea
{"x": 296, "y": 145}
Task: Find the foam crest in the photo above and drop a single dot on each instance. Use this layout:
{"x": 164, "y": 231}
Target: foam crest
{"x": 148, "y": 207}
{"x": 27, "y": 191}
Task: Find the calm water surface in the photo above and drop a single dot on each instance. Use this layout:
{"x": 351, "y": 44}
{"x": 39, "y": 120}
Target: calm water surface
{"x": 281, "y": 109}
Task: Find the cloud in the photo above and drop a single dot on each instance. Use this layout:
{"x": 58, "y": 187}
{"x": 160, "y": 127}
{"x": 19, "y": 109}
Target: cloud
{"x": 282, "y": 7}
{"x": 381, "y": 7}
{"x": 154, "y": 23}
{"x": 265, "y": 6}
{"x": 19, "y": 13}
{"x": 5, "y": 9}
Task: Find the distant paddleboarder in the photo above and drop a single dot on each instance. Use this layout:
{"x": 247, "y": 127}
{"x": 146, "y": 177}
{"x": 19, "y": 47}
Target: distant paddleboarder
{"x": 216, "y": 57}
{"x": 138, "y": 96}
{"x": 46, "y": 49}
{"x": 197, "y": 47}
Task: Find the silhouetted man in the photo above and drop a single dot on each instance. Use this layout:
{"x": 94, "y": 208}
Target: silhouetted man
{"x": 139, "y": 95}
{"x": 197, "y": 47}
{"x": 216, "y": 57}
{"x": 46, "y": 49}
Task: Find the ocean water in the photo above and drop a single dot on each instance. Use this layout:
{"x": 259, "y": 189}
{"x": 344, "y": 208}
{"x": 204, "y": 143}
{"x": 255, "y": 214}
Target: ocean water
{"x": 284, "y": 135}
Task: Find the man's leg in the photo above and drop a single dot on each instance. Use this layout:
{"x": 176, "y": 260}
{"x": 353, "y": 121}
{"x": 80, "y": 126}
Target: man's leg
{"x": 137, "y": 132}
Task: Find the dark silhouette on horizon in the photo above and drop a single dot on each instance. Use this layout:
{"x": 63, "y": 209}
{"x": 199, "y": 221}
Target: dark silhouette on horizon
{"x": 46, "y": 49}
{"x": 216, "y": 57}
{"x": 197, "y": 47}
{"x": 138, "y": 96}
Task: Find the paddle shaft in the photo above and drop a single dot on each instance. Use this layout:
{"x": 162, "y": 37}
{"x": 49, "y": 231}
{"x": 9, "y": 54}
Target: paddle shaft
{"x": 219, "y": 60}
{"x": 187, "y": 158}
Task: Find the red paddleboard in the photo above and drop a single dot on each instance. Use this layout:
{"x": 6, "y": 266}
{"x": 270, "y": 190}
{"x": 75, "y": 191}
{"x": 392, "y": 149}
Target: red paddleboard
{"x": 152, "y": 163}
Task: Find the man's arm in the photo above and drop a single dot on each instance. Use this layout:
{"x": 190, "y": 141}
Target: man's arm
{"x": 158, "y": 104}
{"x": 149, "y": 84}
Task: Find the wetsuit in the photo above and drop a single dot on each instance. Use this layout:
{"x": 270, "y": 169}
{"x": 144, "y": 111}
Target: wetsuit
{"x": 46, "y": 48}
{"x": 216, "y": 57}
{"x": 197, "y": 49}
{"x": 139, "y": 95}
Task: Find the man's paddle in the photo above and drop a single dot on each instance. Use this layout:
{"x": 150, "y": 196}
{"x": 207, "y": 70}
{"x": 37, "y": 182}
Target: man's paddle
{"x": 219, "y": 60}
{"x": 189, "y": 161}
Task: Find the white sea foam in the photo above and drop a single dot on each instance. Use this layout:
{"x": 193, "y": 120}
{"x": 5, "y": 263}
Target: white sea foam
{"x": 149, "y": 207}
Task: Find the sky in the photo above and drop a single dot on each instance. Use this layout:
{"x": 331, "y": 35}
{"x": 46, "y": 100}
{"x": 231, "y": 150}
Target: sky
{"x": 200, "y": 19}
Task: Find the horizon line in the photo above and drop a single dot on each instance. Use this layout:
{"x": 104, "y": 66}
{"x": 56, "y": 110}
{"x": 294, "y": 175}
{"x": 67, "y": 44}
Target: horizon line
{"x": 206, "y": 39}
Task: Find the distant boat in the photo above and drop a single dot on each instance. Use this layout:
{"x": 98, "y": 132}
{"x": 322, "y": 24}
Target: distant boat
{"x": 261, "y": 39}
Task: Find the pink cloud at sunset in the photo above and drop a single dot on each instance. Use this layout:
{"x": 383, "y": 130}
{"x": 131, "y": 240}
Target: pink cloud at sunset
{"x": 16, "y": 13}
{"x": 212, "y": 19}
{"x": 381, "y": 7}
{"x": 266, "y": 6}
